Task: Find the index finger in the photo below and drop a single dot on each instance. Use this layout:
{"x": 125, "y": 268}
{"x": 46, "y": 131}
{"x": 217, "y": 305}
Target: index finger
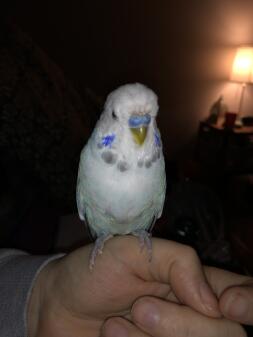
{"x": 174, "y": 264}
{"x": 180, "y": 266}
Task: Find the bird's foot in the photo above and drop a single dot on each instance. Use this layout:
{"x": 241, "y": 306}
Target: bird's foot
{"x": 98, "y": 248}
{"x": 145, "y": 240}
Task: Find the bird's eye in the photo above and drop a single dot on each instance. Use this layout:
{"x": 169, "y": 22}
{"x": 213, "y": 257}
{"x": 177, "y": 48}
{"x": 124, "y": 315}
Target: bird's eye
{"x": 114, "y": 116}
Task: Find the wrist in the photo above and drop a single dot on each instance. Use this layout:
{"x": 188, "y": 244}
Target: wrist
{"x": 48, "y": 314}
{"x": 40, "y": 298}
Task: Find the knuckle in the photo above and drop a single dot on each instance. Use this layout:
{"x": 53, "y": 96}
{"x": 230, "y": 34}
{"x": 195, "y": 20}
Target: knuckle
{"x": 190, "y": 253}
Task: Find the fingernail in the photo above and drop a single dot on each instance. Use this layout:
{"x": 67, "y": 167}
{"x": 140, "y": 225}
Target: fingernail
{"x": 117, "y": 330}
{"x": 147, "y": 314}
{"x": 236, "y": 306}
{"x": 208, "y": 298}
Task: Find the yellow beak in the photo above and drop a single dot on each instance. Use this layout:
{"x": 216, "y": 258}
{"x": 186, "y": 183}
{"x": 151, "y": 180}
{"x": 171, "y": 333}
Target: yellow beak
{"x": 139, "y": 134}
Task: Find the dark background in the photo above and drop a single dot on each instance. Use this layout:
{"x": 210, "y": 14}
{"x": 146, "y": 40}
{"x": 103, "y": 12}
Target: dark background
{"x": 184, "y": 51}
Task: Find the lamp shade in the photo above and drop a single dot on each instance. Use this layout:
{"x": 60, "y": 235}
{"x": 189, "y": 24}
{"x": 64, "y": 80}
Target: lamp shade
{"x": 242, "y": 70}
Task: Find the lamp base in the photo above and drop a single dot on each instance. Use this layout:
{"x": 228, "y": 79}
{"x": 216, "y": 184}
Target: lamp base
{"x": 238, "y": 122}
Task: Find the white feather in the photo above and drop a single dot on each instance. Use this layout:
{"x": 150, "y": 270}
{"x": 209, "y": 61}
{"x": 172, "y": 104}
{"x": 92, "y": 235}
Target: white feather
{"x": 121, "y": 202}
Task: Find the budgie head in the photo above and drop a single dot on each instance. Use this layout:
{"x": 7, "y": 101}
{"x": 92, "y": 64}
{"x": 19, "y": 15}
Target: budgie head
{"x": 131, "y": 107}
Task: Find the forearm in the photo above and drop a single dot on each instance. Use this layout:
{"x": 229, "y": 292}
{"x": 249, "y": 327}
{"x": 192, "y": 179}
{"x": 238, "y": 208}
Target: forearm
{"x": 18, "y": 272}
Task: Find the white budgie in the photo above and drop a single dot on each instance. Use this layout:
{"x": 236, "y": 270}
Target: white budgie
{"x": 121, "y": 180}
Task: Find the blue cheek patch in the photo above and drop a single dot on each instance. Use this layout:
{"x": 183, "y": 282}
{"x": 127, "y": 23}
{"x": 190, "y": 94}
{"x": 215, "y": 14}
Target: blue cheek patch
{"x": 158, "y": 142}
{"x": 137, "y": 120}
{"x": 108, "y": 140}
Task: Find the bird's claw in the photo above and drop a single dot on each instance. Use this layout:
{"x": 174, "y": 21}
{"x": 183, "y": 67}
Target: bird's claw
{"x": 98, "y": 248}
{"x": 144, "y": 240}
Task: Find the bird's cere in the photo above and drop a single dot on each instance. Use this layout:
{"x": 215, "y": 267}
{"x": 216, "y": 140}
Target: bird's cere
{"x": 136, "y": 121}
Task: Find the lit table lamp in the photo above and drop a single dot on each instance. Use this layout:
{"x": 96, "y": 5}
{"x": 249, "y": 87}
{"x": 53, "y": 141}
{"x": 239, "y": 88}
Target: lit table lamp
{"x": 242, "y": 72}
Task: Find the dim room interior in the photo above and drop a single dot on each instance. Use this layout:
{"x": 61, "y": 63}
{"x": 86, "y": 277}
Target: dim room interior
{"x": 58, "y": 62}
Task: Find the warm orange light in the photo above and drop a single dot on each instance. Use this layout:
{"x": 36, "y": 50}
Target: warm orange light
{"x": 242, "y": 70}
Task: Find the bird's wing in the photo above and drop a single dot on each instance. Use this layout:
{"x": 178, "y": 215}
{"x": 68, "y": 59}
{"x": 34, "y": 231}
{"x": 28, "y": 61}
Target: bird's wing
{"x": 80, "y": 199}
{"x": 81, "y": 204}
{"x": 153, "y": 209}
{"x": 161, "y": 195}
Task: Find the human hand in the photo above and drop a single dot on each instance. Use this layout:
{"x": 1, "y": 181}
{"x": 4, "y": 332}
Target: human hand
{"x": 159, "y": 318}
{"x": 69, "y": 300}
{"x": 235, "y": 294}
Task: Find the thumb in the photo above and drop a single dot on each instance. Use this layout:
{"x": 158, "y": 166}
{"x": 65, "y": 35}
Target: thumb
{"x": 235, "y": 293}
{"x": 237, "y": 303}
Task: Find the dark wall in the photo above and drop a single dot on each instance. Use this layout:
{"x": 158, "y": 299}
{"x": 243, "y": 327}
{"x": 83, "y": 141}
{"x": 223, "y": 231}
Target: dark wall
{"x": 183, "y": 49}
